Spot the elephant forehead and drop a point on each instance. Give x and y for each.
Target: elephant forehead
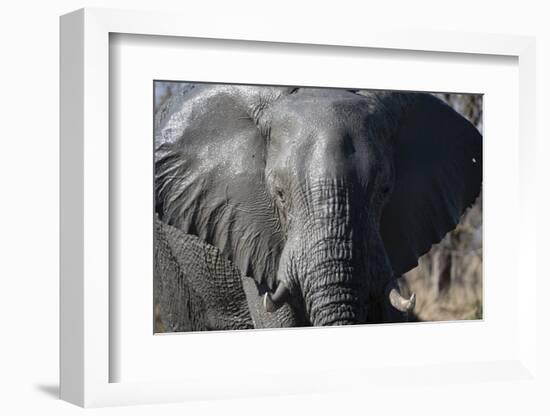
(325, 117)
(311, 102)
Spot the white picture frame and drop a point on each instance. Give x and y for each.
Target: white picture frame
(86, 356)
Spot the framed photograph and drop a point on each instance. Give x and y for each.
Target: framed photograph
(281, 213)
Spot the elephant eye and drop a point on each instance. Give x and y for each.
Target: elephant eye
(386, 190)
(280, 195)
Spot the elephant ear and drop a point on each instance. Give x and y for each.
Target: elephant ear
(209, 173)
(438, 174)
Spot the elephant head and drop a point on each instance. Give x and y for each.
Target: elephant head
(323, 196)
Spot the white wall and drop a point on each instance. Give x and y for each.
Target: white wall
(29, 56)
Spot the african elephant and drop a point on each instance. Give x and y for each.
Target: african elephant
(322, 196)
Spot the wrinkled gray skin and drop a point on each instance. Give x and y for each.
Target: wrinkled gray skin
(327, 193)
(197, 289)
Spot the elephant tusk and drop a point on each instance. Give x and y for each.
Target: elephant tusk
(274, 301)
(398, 301)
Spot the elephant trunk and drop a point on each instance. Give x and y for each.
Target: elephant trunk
(331, 287)
(331, 273)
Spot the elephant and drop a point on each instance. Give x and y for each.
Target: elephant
(323, 196)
